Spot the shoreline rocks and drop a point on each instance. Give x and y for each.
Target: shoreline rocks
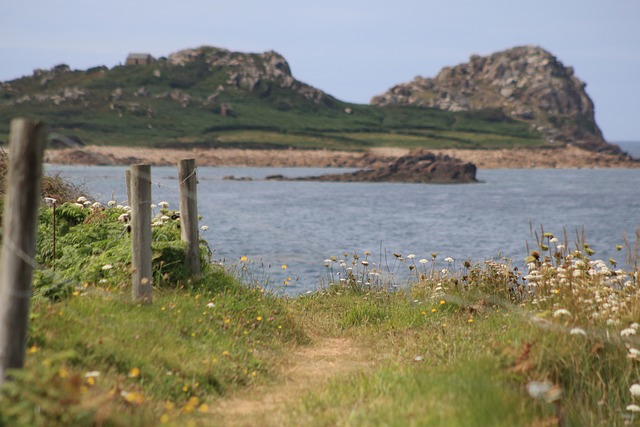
(418, 166)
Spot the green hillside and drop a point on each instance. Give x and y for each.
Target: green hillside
(216, 98)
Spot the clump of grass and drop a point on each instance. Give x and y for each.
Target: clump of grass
(561, 333)
(93, 248)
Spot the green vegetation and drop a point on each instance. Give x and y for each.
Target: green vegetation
(164, 105)
(464, 344)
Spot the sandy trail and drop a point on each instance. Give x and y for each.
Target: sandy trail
(307, 368)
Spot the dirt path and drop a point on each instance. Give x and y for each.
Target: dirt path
(308, 368)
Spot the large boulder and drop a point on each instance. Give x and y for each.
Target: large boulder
(418, 166)
(527, 83)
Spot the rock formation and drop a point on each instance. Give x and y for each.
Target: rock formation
(419, 166)
(254, 72)
(527, 83)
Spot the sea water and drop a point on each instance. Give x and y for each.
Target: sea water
(300, 224)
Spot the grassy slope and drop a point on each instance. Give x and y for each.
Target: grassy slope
(174, 361)
(268, 117)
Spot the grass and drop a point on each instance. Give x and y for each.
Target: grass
(460, 344)
(111, 111)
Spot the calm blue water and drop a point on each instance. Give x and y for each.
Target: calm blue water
(302, 223)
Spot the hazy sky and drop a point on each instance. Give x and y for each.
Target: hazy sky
(352, 49)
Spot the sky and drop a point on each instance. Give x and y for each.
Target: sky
(352, 49)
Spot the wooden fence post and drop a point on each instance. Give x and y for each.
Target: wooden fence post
(140, 203)
(27, 143)
(188, 181)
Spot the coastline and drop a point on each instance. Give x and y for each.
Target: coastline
(569, 157)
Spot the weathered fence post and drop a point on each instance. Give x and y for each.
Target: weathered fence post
(188, 181)
(27, 143)
(140, 203)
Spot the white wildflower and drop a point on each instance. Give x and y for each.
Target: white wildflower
(107, 267)
(633, 353)
(164, 205)
(627, 332)
(448, 259)
(633, 408)
(423, 261)
(111, 203)
(96, 205)
(87, 203)
(578, 331)
(635, 390)
(554, 240)
(411, 256)
(204, 228)
(561, 312)
(365, 263)
(537, 389)
(82, 199)
(92, 374)
(165, 218)
(80, 205)
(635, 325)
(211, 305)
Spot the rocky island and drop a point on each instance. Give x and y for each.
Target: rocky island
(527, 83)
(519, 108)
(418, 166)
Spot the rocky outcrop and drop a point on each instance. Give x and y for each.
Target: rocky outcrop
(418, 166)
(253, 72)
(527, 83)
